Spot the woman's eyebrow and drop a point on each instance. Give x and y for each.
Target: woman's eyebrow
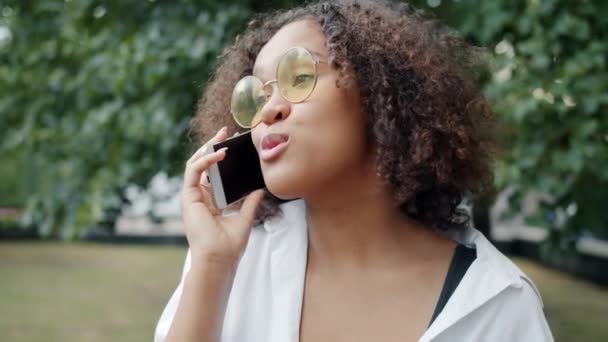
(315, 54)
(256, 70)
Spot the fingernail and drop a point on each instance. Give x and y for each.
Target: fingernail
(223, 149)
(222, 130)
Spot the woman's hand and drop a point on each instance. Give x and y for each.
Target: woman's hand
(212, 236)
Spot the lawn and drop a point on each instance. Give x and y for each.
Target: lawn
(93, 292)
(84, 292)
(576, 310)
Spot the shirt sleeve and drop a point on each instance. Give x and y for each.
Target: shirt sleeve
(524, 310)
(166, 318)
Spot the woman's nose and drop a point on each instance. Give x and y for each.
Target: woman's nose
(276, 109)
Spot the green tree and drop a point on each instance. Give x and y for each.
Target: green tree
(96, 95)
(548, 87)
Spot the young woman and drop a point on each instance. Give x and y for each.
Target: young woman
(367, 114)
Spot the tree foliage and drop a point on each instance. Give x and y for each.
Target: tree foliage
(97, 95)
(547, 85)
(549, 91)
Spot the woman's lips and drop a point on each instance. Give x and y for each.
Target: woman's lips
(273, 145)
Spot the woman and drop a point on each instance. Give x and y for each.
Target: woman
(376, 127)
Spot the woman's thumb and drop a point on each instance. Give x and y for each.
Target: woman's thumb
(250, 205)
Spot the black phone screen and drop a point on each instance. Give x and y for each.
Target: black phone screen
(240, 170)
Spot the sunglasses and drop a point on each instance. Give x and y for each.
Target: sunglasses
(296, 77)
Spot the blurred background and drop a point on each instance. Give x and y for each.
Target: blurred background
(95, 101)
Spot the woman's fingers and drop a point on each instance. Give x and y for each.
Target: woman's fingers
(192, 175)
(198, 163)
(220, 136)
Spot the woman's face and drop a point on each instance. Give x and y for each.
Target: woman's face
(320, 140)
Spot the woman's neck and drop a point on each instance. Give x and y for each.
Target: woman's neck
(356, 224)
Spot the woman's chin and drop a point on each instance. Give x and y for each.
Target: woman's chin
(282, 190)
(282, 186)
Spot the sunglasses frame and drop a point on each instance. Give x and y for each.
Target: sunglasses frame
(315, 60)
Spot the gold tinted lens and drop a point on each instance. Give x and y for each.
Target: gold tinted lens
(248, 97)
(296, 74)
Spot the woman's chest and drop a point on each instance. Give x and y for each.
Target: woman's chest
(367, 310)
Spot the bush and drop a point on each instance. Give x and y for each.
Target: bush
(98, 95)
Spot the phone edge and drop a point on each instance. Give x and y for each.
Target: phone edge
(217, 188)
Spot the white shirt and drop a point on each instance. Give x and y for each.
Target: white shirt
(495, 300)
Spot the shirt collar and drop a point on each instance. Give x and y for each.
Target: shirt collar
(490, 274)
(291, 213)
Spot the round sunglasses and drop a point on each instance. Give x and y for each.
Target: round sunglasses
(296, 77)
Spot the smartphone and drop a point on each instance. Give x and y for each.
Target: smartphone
(238, 174)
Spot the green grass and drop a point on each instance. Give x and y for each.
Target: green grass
(576, 310)
(91, 292)
(84, 292)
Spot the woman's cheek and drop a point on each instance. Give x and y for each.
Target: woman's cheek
(255, 138)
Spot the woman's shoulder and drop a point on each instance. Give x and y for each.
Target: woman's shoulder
(493, 263)
(502, 266)
(494, 294)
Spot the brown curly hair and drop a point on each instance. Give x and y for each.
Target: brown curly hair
(431, 127)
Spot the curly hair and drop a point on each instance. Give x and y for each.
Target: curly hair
(431, 127)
